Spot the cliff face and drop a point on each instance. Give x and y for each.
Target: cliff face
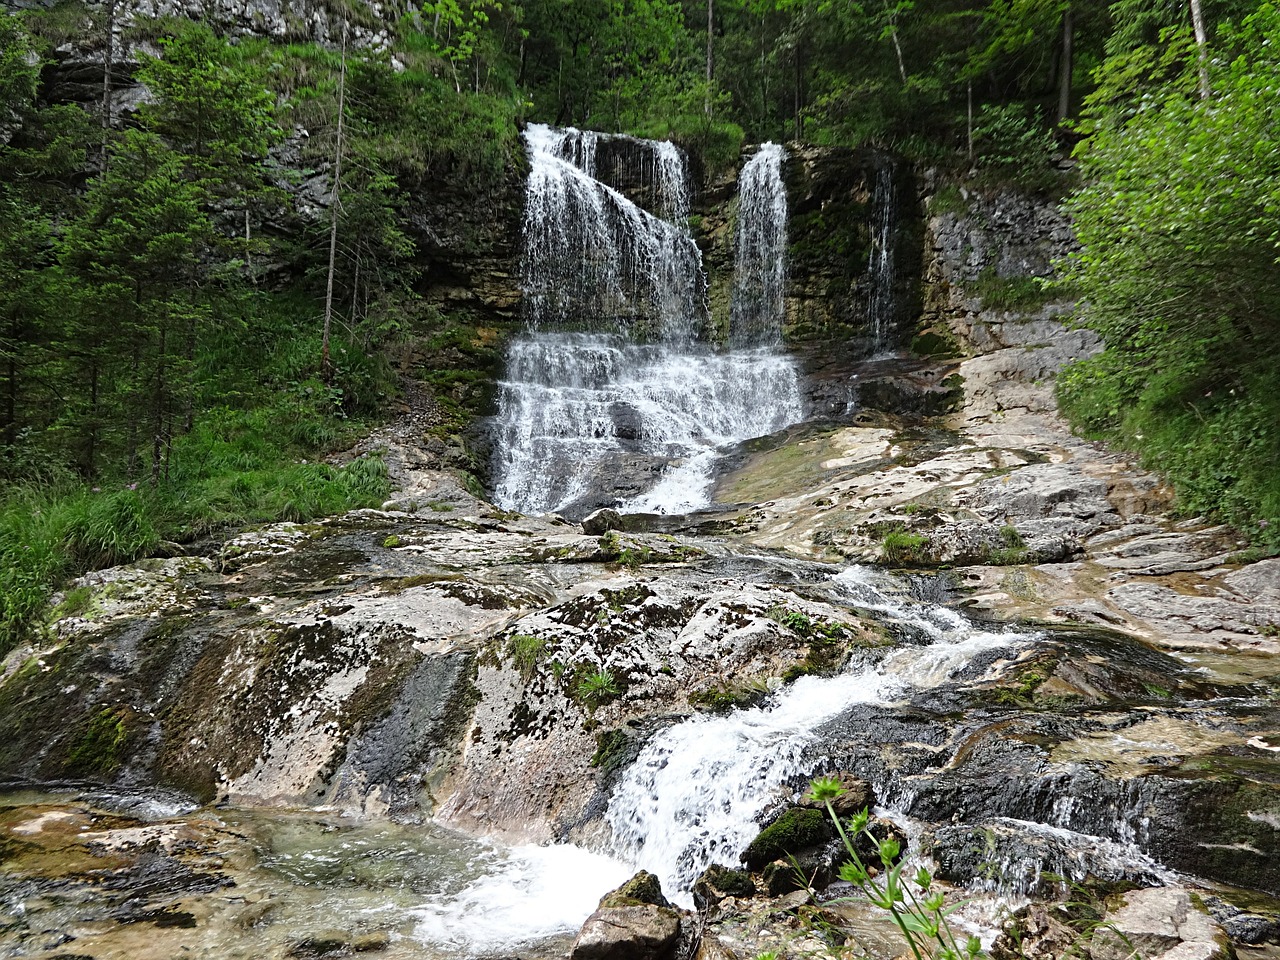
(833, 201)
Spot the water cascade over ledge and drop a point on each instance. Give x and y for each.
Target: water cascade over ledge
(613, 396)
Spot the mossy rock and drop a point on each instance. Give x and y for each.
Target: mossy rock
(792, 832)
(644, 888)
(718, 882)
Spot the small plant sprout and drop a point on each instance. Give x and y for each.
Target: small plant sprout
(922, 915)
(598, 687)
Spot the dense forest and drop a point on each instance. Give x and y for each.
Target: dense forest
(184, 334)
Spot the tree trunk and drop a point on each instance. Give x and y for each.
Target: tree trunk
(970, 120)
(1202, 48)
(799, 123)
(325, 366)
(1064, 90)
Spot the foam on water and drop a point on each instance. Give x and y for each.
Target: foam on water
(694, 795)
(524, 895)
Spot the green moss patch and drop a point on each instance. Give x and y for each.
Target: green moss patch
(792, 832)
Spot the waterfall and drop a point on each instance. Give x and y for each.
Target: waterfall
(760, 250)
(610, 399)
(880, 266)
(694, 795)
(593, 259)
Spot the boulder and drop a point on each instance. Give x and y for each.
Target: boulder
(602, 521)
(644, 932)
(1159, 922)
(644, 888)
(797, 829)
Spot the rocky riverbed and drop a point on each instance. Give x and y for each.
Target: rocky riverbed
(268, 747)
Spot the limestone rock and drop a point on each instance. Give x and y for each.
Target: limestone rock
(645, 932)
(1159, 922)
(601, 521)
(643, 888)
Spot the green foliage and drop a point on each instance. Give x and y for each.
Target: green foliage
(597, 687)
(525, 650)
(916, 907)
(905, 549)
(19, 68)
(1014, 147)
(1179, 274)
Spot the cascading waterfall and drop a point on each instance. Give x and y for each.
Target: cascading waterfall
(694, 795)
(760, 250)
(880, 266)
(610, 399)
(593, 259)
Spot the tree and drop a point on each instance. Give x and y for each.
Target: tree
(144, 227)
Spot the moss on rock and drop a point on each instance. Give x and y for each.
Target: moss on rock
(792, 832)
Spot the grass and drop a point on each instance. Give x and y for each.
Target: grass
(1014, 293)
(1217, 440)
(525, 651)
(905, 549)
(597, 688)
(50, 533)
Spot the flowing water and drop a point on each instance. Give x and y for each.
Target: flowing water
(610, 398)
(760, 250)
(880, 266)
(695, 794)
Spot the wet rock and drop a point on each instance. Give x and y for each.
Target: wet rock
(1244, 926)
(711, 947)
(1159, 922)
(780, 878)
(1027, 859)
(1036, 931)
(602, 521)
(643, 888)
(718, 882)
(795, 830)
(646, 932)
(856, 794)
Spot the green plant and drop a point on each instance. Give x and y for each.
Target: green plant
(598, 687)
(921, 918)
(524, 650)
(902, 548)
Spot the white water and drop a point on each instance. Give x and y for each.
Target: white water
(593, 258)
(694, 795)
(525, 895)
(880, 266)
(760, 250)
(634, 413)
(574, 406)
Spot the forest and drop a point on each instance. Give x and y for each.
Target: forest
(168, 367)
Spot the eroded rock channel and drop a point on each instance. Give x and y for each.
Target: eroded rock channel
(446, 729)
